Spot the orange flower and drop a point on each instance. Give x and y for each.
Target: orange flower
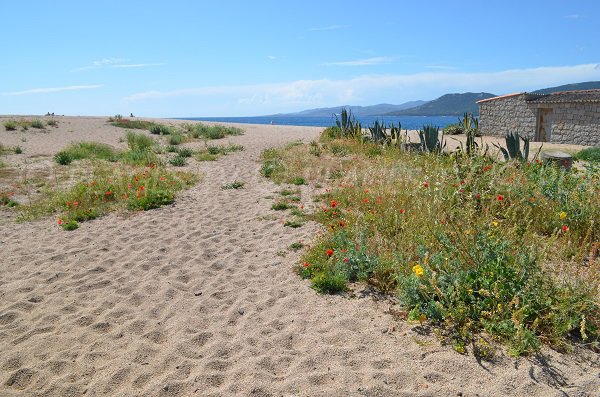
(306, 264)
(329, 252)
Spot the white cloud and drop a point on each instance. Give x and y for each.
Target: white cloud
(238, 100)
(573, 16)
(117, 63)
(440, 67)
(331, 27)
(362, 62)
(271, 57)
(52, 89)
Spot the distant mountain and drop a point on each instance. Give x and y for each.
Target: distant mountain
(446, 105)
(588, 85)
(358, 111)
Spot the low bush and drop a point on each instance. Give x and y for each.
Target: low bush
(590, 154)
(178, 161)
(10, 125)
(214, 132)
(39, 124)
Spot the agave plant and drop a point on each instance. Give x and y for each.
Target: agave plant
(430, 139)
(513, 147)
(348, 124)
(378, 133)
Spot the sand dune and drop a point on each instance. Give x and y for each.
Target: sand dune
(199, 299)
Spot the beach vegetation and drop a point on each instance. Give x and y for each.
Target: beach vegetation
(109, 188)
(214, 131)
(160, 129)
(233, 185)
(591, 154)
(10, 125)
(178, 161)
(467, 243)
(39, 124)
(52, 123)
(86, 150)
(176, 139)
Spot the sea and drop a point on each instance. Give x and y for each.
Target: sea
(406, 122)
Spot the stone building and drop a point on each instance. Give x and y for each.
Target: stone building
(561, 117)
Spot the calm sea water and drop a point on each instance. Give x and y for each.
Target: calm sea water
(407, 122)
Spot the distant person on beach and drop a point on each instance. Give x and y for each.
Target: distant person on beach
(131, 115)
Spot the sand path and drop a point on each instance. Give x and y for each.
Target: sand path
(198, 299)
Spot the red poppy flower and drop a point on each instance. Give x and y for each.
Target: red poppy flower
(108, 193)
(401, 211)
(342, 224)
(306, 264)
(59, 221)
(333, 203)
(425, 184)
(329, 252)
(565, 228)
(500, 197)
(346, 260)
(477, 196)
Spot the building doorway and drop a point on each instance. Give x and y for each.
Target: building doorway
(543, 131)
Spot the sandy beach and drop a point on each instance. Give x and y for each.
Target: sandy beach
(199, 298)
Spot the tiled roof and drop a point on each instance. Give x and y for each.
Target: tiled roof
(499, 97)
(566, 96)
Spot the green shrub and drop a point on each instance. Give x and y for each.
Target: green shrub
(90, 150)
(160, 129)
(10, 125)
(138, 141)
(590, 154)
(214, 132)
(52, 123)
(176, 139)
(39, 124)
(171, 149)
(63, 158)
(205, 156)
(18, 149)
(280, 206)
(233, 185)
(185, 152)
(178, 161)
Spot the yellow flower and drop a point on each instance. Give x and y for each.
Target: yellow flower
(563, 215)
(495, 224)
(418, 269)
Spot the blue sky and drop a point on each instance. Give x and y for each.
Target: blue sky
(243, 58)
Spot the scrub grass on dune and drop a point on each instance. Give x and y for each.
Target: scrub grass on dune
(472, 245)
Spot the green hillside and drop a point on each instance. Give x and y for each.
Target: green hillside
(588, 85)
(447, 105)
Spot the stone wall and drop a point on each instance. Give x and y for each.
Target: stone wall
(502, 116)
(572, 123)
(576, 123)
